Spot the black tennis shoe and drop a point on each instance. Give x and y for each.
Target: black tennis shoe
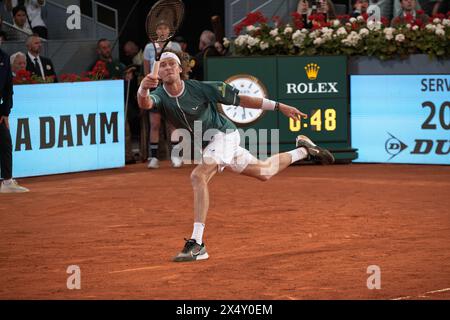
(315, 152)
(192, 251)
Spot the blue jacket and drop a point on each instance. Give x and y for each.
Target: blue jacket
(6, 85)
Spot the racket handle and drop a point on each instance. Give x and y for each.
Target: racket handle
(155, 69)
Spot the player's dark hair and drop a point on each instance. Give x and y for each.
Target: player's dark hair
(15, 10)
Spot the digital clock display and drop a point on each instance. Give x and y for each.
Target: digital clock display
(327, 121)
(316, 121)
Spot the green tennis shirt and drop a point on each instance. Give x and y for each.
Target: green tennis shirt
(197, 102)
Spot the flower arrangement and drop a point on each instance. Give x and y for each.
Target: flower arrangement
(256, 35)
(99, 72)
(25, 77)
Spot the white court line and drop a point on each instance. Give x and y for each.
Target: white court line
(437, 291)
(137, 269)
(423, 295)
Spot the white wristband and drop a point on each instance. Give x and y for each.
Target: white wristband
(143, 92)
(268, 104)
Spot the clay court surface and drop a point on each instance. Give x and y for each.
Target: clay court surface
(309, 233)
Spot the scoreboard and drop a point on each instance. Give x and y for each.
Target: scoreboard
(401, 118)
(317, 86)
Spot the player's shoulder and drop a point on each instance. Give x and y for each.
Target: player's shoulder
(205, 84)
(194, 83)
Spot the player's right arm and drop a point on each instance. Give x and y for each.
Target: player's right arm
(143, 95)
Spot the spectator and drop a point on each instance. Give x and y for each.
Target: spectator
(115, 69)
(311, 7)
(162, 31)
(360, 8)
(21, 29)
(36, 64)
(207, 49)
(325, 7)
(133, 53)
(431, 7)
(8, 185)
(33, 9)
(408, 13)
(386, 7)
(398, 8)
(21, 20)
(18, 62)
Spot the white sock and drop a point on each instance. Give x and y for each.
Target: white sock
(197, 234)
(298, 154)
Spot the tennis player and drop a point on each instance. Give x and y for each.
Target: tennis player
(185, 101)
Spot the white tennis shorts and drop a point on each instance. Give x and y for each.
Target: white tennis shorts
(225, 150)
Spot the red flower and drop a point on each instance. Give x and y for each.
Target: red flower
(385, 21)
(23, 73)
(297, 19)
(315, 25)
(409, 18)
(343, 18)
(70, 77)
(100, 69)
(317, 17)
(251, 19)
(365, 16)
(438, 15)
(420, 12)
(22, 77)
(418, 22)
(296, 15)
(238, 28)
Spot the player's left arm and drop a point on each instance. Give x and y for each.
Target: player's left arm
(226, 94)
(266, 104)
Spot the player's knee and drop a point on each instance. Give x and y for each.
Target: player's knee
(198, 179)
(267, 171)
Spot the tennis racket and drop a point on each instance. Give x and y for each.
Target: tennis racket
(163, 21)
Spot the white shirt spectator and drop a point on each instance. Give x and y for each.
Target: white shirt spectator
(26, 28)
(33, 11)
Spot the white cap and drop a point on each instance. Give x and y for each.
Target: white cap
(170, 55)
